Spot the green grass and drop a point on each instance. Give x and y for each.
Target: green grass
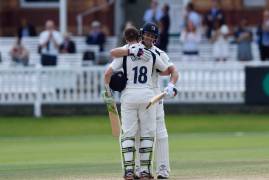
(201, 146)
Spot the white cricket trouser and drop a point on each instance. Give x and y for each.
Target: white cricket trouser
(161, 146)
(131, 114)
(161, 131)
(161, 143)
(136, 116)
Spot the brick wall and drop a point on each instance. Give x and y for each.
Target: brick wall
(234, 10)
(11, 14)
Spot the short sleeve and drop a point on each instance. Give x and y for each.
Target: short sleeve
(117, 64)
(43, 37)
(165, 58)
(160, 65)
(58, 37)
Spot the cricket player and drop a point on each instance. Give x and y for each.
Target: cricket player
(149, 35)
(134, 99)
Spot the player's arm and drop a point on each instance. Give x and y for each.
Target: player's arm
(114, 66)
(172, 71)
(160, 65)
(136, 49)
(108, 74)
(119, 52)
(171, 89)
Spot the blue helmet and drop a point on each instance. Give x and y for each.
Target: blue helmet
(150, 28)
(118, 81)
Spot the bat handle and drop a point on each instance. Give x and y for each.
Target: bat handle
(175, 91)
(107, 88)
(149, 104)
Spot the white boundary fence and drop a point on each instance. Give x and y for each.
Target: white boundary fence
(204, 82)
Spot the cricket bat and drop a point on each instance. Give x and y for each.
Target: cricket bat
(155, 99)
(114, 117)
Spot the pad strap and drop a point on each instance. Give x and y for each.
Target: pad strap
(124, 66)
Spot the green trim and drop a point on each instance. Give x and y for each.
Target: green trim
(129, 163)
(145, 150)
(147, 138)
(265, 84)
(128, 149)
(145, 162)
(128, 138)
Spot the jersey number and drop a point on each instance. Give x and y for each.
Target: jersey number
(140, 76)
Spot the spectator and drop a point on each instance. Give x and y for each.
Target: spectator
(243, 37)
(263, 36)
(214, 15)
(19, 54)
(96, 36)
(153, 14)
(26, 29)
(68, 45)
(49, 43)
(220, 42)
(190, 38)
(192, 15)
(164, 28)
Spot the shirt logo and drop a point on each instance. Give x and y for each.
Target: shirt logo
(134, 58)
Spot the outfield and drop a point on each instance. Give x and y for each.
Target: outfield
(202, 147)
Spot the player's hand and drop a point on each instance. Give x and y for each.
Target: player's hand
(135, 50)
(107, 99)
(146, 56)
(170, 90)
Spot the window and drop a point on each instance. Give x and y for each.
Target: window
(39, 3)
(254, 3)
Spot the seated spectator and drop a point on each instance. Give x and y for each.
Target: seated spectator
(190, 38)
(19, 54)
(263, 36)
(220, 42)
(153, 14)
(49, 43)
(96, 36)
(243, 37)
(26, 29)
(68, 45)
(191, 15)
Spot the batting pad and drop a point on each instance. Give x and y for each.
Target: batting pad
(128, 153)
(145, 150)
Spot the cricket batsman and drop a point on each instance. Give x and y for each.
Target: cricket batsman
(149, 35)
(134, 99)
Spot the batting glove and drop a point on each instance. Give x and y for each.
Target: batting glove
(147, 55)
(170, 90)
(135, 50)
(107, 99)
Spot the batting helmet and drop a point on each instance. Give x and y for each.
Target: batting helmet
(118, 81)
(150, 28)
